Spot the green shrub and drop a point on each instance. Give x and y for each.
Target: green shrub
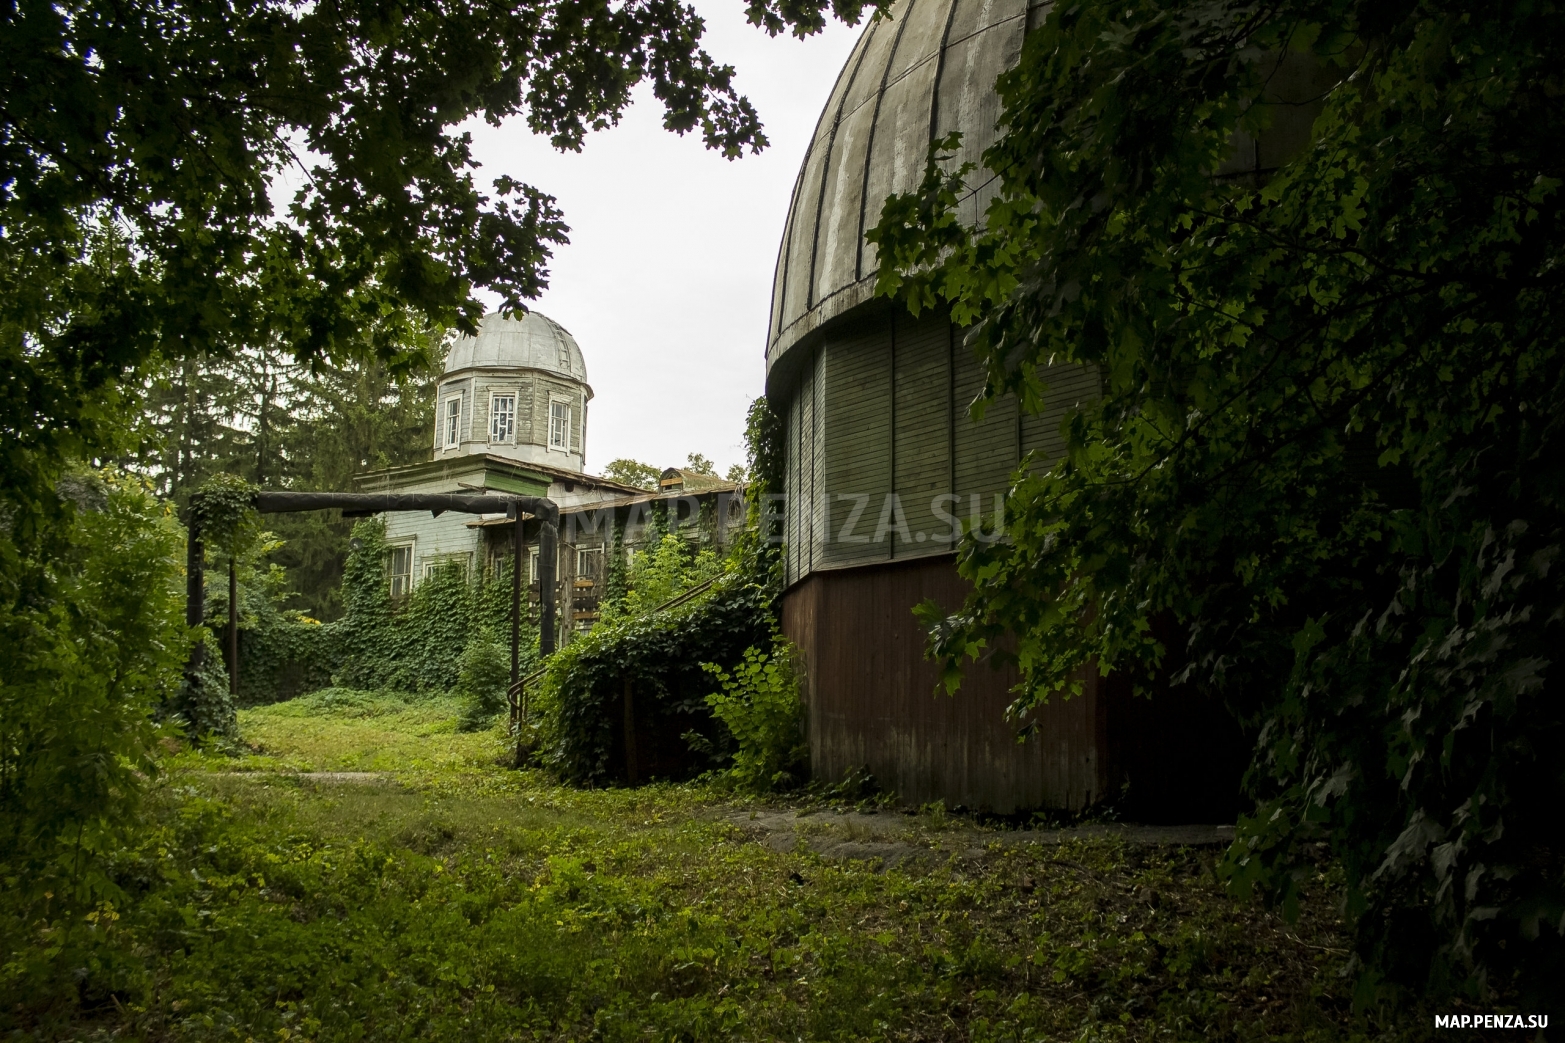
(758, 701)
(484, 675)
(662, 571)
(415, 643)
(205, 705)
(281, 652)
(580, 706)
(94, 638)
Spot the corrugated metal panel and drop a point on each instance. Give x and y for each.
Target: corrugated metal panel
(1067, 387)
(793, 487)
(819, 533)
(803, 523)
(986, 450)
(858, 444)
(922, 422)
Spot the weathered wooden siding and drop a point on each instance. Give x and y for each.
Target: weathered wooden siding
(433, 539)
(1067, 388)
(872, 702)
(987, 449)
(533, 391)
(803, 517)
(881, 409)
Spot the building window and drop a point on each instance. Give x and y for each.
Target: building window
(400, 569)
(589, 563)
(532, 565)
(451, 423)
(502, 418)
(446, 561)
(560, 426)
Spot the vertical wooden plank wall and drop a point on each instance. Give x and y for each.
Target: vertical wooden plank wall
(882, 407)
(986, 449)
(872, 701)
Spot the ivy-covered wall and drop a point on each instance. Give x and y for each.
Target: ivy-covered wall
(412, 643)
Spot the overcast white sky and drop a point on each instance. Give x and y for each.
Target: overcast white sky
(667, 279)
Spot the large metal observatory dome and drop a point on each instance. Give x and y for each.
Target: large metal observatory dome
(883, 465)
(915, 77)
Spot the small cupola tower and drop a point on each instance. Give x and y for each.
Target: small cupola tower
(517, 390)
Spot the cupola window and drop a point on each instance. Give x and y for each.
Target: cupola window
(451, 422)
(502, 418)
(560, 426)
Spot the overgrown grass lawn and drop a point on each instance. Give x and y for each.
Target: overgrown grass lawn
(343, 730)
(447, 897)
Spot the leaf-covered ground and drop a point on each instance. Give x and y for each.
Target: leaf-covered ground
(367, 873)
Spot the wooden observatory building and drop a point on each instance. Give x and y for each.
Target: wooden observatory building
(511, 419)
(882, 458)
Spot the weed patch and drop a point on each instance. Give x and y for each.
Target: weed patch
(438, 896)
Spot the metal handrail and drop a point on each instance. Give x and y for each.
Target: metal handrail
(516, 692)
(516, 697)
(680, 599)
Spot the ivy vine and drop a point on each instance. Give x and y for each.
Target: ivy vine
(411, 643)
(660, 654)
(222, 511)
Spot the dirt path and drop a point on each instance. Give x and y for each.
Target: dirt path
(893, 837)
(888, 837)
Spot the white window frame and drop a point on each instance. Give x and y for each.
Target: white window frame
(438, 561)
(565, 405)
(508, 436)
(392, 576)
(594, 556)
(532, 563)
(451, 422)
